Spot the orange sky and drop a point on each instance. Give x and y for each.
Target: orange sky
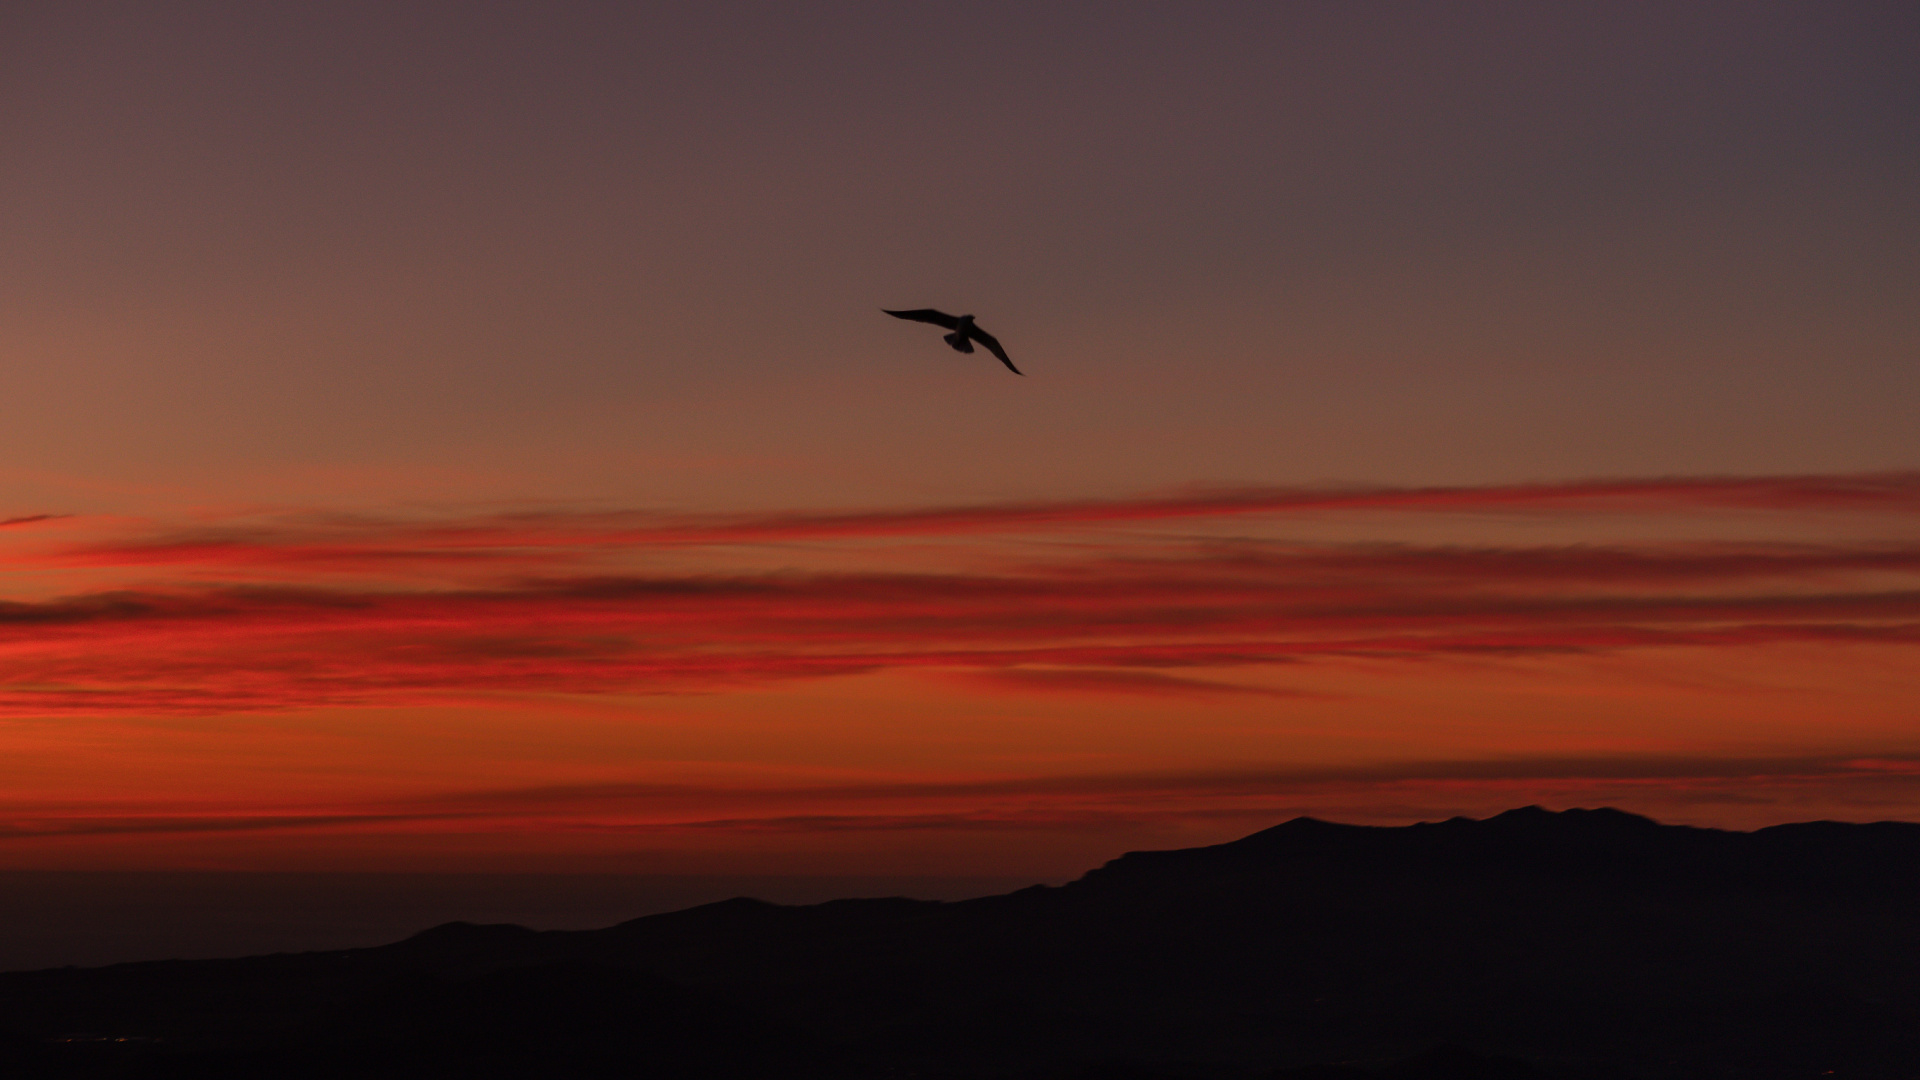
(983, 688)
(468, 438)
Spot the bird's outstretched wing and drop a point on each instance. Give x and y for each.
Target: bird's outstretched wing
(993, 347)
(927, 314)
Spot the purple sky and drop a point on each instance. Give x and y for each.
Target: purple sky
(346, 253)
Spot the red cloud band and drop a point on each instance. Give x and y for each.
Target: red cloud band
(231, 645)
(532, 540)
(1032, 802)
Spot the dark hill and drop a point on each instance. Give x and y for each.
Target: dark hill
(1588, 943)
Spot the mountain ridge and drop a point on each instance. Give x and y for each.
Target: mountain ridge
(1578, 943)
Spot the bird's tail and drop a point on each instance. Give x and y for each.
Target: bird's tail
(958, 340)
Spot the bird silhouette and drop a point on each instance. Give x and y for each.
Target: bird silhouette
(964, 332)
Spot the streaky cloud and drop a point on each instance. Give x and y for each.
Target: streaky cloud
(260, 618)
(990, 803)
(531, 539)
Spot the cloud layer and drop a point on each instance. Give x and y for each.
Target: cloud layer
(1023, 803)
(304, 612)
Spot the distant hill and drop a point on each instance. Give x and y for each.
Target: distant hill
(1586, 943)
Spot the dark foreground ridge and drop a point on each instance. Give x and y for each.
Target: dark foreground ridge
(1589, 943)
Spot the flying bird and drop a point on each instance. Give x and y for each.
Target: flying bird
(964, 332)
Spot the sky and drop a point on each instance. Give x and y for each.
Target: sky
(466, 437)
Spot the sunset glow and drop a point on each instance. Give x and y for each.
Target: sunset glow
(553, 685)
(473, 439)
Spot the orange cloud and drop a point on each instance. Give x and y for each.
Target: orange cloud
(555, 602)
(1037, 802)
(532, 538)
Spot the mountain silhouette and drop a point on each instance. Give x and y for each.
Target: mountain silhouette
(1580, 944)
